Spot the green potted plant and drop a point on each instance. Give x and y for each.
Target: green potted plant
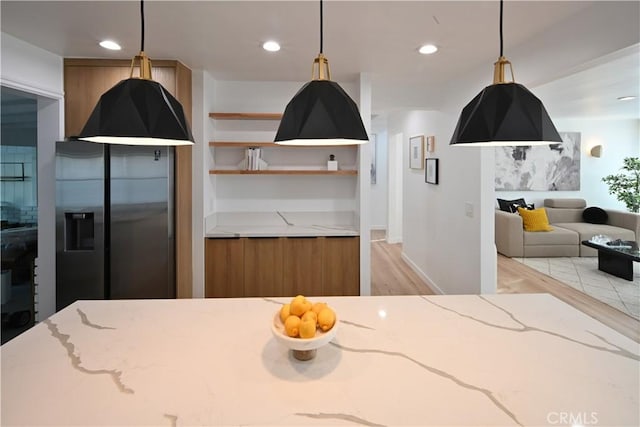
(626, 185)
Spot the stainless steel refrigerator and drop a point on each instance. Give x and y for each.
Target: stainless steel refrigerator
(114, 222)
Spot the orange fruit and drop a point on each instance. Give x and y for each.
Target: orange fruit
(285, 312)
(326, 319)
(310, 315)
(292, 326)
(307, 328)
(317, 307)
(299, 306)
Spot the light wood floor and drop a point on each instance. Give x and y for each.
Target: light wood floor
(391, 275)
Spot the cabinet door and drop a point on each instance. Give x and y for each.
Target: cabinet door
(341, 266)
(263, 266)
(224, 268)
(86, 80)
(83, 87)
(302, 266)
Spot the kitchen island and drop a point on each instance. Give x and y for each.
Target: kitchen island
(404, 360)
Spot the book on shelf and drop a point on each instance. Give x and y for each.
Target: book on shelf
(252, 160)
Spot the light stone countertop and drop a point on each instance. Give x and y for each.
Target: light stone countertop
(461, 360)
(277, 224)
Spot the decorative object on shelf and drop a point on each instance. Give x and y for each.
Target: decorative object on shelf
(229, 152)
(416, 152)
(431, 171)
(519, 168)
(321, 113)
(431, 144)
(505, 113)
(332, 163)
(138, 111)
(596, 151)
(626, 185)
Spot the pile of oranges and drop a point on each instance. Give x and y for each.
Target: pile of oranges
(302, 318)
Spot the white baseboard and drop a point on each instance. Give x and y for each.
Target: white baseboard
(394, 239)
(422, 275)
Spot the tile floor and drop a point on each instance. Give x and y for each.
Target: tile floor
(583, 275)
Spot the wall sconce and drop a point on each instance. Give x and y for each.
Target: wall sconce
(596, 151)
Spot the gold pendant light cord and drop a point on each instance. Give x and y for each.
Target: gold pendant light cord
(145, 62)
(499, 67)
(321, 62)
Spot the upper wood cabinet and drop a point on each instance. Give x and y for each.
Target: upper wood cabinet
(85, 80)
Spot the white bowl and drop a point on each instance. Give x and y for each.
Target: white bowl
(302, 344)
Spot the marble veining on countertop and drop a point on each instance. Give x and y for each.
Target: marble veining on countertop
(273, 224)
(406, 360)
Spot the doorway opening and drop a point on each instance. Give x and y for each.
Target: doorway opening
(18, 209)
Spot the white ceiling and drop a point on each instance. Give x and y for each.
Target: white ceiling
(545, 40)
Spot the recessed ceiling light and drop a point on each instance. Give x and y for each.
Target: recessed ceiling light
(111, 45)
(428, 49)
(626, 98)
(271, 46)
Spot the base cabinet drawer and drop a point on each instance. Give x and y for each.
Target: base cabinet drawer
(282, 266)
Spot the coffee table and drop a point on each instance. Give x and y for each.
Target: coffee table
(616, 260)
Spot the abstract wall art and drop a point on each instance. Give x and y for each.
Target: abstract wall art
(553, 167)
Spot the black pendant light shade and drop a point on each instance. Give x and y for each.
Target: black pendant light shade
(505, 114)
(321, 113)
(137, 112)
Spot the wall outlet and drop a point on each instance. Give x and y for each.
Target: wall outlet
(468, 209)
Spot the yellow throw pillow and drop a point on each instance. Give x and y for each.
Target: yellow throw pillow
(535, 220)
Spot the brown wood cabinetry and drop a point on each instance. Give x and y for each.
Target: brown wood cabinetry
(224, 267)
(85, 80)
(303, 266)
(263, 266)
(282, 266)
(341, 266)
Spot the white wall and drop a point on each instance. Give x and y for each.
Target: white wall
(203, 90)
(363, 194)
(440, 241)
(273, 192)
(379, 190)
(620, 138)
(395, 171)
(31, 69)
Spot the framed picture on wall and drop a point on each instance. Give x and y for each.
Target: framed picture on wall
(416, 152)
(372, 141)
(431, 144)
(431, 172)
